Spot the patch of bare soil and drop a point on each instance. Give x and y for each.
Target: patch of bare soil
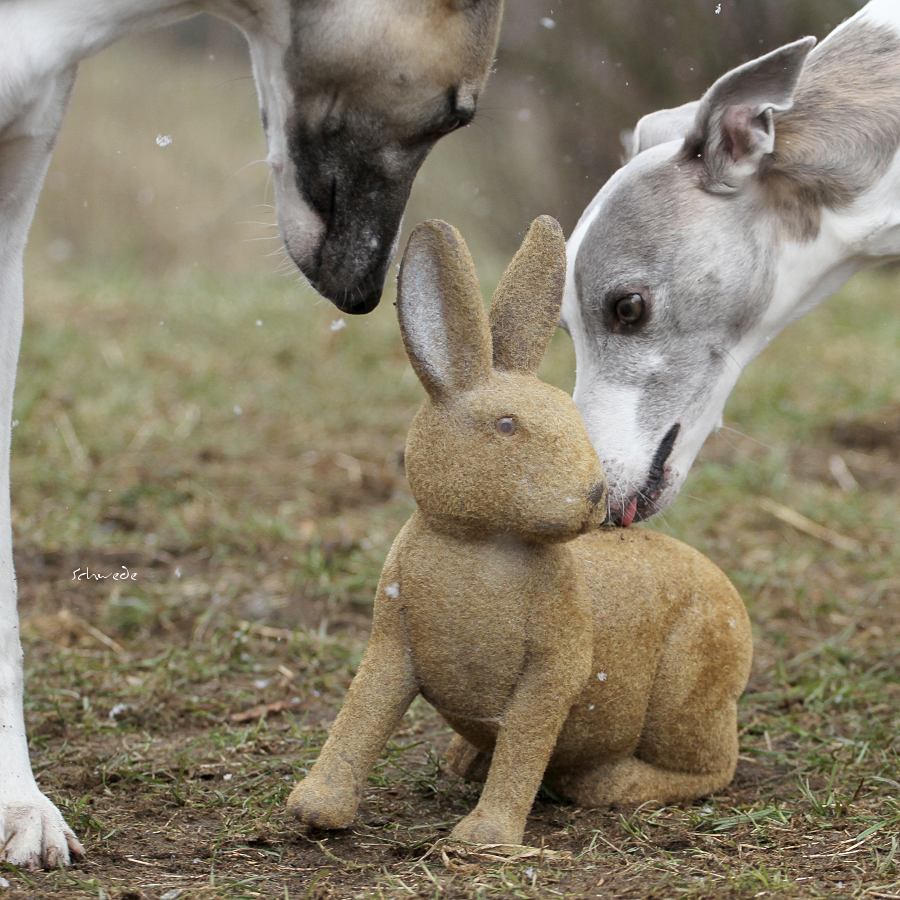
(879, 430)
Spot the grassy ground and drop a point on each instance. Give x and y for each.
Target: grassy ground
(206, 428)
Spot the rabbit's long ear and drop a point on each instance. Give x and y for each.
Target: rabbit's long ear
(525, 309)
(442, 317)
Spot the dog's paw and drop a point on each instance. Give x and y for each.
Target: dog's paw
(325, 800)
(33, 834)
(485, 828)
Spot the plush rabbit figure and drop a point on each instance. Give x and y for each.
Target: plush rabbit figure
(607, 662)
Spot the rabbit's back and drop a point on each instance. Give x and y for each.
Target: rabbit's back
(661, 611)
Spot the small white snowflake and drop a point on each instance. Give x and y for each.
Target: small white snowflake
(591, 707)
(227, 776)
(117, 711)
(338, 325)
(548, 23)
(237, 410)
(601, 676)
(163, 140)
(59, 250)
(392, 590)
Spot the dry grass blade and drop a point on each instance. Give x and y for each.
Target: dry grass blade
(263, 711)
(496, 852)
(267, 631)
(841, 473)
(64, 626)
(809, 527)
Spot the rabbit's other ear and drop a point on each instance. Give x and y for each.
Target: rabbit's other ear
(442, 317)
(525, 309)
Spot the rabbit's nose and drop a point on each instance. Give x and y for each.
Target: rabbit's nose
(597, 492)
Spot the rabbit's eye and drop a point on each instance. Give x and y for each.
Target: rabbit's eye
(506, 425)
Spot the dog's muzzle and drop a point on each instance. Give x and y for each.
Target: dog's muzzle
(642, 505)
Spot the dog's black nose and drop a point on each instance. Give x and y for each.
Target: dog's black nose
(353, 297)
(358, 304)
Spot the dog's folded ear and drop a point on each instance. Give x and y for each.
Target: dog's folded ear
(441, 312)
(659, 127)
(525, 308)
(734, 129)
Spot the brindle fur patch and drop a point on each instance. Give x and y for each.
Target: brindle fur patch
(843, 130)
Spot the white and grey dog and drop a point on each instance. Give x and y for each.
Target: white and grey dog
(735, 215)
(353, 95)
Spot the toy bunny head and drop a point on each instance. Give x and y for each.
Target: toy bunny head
(493, 449)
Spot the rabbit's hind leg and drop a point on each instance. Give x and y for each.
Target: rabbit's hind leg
(665, 767)
(631, 781)
(689, 742)
(466, 761)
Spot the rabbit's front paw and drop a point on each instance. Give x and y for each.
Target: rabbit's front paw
(325, 800)
(488, 828)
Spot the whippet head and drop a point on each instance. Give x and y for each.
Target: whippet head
(353, 95)
(668, 275)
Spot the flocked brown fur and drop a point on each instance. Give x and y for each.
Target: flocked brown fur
(607, 662)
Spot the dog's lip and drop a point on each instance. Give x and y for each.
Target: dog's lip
(642, 504)
(632, 511)
(639, 508)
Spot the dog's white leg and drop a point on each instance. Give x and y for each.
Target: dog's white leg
(32, 831)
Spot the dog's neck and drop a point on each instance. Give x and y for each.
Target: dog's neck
(837, 169)
(51, 36)
(863, 234)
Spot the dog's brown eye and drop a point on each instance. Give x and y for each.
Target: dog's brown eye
(506, 425)
(630, 309)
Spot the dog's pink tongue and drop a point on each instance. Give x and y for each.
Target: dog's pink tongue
(629, 513)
